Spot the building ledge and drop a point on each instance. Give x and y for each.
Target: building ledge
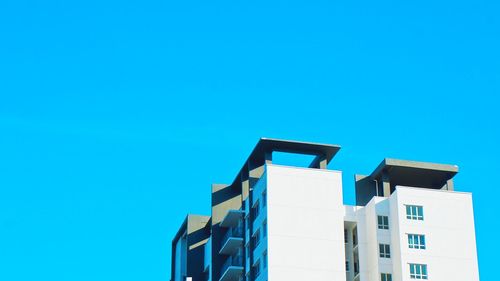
(232, 273)
(231, 246)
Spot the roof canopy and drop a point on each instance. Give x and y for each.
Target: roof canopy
(265, 147)
(412, 173)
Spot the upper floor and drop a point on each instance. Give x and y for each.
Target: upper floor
(252, 218)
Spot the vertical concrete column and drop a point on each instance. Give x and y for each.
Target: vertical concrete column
(449, 185)
(245, 183)
(386, 185)
(319, 162)
(322, 162)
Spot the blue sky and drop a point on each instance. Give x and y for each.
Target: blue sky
(116, 116)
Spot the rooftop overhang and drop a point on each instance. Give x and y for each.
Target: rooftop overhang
(266, 146)
(413, 173)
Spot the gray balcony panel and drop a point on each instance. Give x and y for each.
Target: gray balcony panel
(232, 273)
(231, 245)
(232, 218)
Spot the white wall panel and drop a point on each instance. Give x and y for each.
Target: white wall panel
(305, 224)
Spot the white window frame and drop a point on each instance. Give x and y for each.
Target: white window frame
(385, 276)
(384, 220)
(384, 250)
(418, 271)
(414, 212)
(416, 241)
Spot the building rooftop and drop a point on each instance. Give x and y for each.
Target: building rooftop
(266, 146)
(393, 172)
(413, 173)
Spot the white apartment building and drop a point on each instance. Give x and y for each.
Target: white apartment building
(284, 223)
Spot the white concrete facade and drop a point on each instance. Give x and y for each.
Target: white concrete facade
(306, 218)
(284, 223)
(305, 224)
(448, 227)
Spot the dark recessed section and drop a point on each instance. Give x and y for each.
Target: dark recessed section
(393, 172)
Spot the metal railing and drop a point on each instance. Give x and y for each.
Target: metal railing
(232, 232)
(232, 261)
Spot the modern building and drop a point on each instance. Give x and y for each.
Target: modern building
(286, 223)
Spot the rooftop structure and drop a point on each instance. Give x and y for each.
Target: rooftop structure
(285, 223)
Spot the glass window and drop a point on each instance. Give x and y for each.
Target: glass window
(385, 277)
(354, 236)
(255, 210)
(264, 198)
(256, 269)
(264, 259)
(414, 212)
(346, 265)
(385, 250)
(346, 239)
(264, 229)
(256, 239)
(416, 241)
(418, 271)
(383, 222)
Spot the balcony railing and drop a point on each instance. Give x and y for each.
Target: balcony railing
(232, 261)
(232, 241)
(233, 232)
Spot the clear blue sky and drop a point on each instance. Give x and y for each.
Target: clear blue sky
(116, 116)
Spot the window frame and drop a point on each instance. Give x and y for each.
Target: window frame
(415, 212)
(416, 241)
(256, 268)
(264, 259)
(385, 276)
(355, 236)
(256, 238)
(418, 271)
(384, 250)
(382, 222)
(264, 198)
(256, 209)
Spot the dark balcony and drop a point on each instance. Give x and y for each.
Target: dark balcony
(232, 218)
(232, 241)
(232, 269)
